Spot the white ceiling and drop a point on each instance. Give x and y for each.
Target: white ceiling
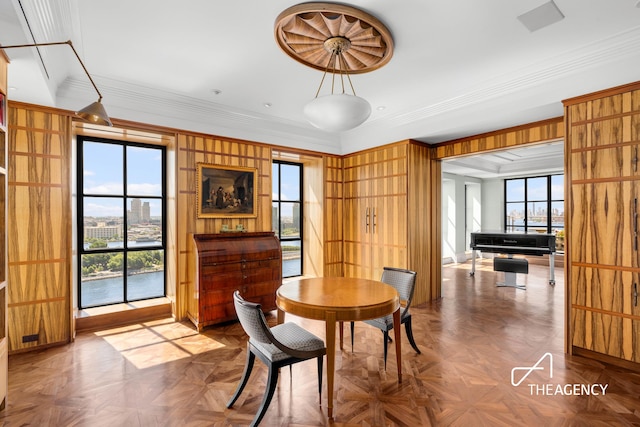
(459, 67)
(538, 159)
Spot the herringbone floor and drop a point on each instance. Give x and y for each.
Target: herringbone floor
(165, 374)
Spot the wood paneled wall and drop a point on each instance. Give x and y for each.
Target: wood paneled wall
(546, 130)
(39, 227)
(603, 188)
(40, 299)
(194, 149)
(425, 235)
(333, 217)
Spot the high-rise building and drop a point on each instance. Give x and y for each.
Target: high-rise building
(135, 214)
(146, 212)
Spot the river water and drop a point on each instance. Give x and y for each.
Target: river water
(143, 286)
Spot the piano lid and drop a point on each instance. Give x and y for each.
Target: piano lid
(520, 243)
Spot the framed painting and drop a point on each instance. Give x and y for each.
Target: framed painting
(226, 191)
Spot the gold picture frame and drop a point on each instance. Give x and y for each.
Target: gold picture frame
(226, 191)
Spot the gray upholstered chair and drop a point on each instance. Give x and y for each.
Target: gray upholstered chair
(404, 281)
(282, 345)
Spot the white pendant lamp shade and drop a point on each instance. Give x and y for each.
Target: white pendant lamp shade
(337, 112)
(340, 40)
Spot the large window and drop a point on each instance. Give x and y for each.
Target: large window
(287, 214)
(535, 204)
(121, 229)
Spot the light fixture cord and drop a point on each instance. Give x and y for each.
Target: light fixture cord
(344, 64)
(335, 58)
(326, 70)
(68, 42)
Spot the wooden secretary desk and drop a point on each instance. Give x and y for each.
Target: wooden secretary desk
(225, 262)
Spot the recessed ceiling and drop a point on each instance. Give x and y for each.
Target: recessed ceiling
(453, 74)
(538, 159)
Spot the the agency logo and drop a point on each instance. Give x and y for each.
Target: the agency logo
(529, 369)
(545, 363)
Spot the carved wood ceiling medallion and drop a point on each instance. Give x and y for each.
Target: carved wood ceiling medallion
(302, 30)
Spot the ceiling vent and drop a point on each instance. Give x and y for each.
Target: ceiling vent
(541, 16)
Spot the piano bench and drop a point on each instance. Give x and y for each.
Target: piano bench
(511, 265)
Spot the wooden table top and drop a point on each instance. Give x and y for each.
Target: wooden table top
(350, 298)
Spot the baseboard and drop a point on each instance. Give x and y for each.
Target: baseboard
(589, 354)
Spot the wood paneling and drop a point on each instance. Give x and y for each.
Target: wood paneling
(39, 228)
(603, 135)
(4, 62)
(333, 217)
(388, 208)
(424, 235)
(547, 130)
(375, 220)
(193, 149)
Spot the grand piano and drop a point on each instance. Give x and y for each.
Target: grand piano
(515, 243)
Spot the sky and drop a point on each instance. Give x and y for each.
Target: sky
(289, 186)
(103, 175)
(537, 188)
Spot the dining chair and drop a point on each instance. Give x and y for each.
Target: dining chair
(404, 281)
(278, 346)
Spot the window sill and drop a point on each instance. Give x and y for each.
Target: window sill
(92, 319)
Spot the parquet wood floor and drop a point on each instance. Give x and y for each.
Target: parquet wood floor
(163, 373)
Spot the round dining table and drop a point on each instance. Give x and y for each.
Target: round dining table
(340, 299)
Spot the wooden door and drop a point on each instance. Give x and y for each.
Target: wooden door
(389, 209)
(357, 217)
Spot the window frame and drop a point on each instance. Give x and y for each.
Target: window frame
(548, 204)
(300, 202)
(125, 249)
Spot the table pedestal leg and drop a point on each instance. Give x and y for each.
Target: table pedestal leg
(396, 333)
(331, 358)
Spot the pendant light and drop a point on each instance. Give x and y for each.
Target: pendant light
(94, 112)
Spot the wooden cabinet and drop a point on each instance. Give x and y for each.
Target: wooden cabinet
(375, 206)
(226, 262)
(602, 144)
(387, 212)
(4, 342)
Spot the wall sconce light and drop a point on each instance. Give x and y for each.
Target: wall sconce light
(94, 112)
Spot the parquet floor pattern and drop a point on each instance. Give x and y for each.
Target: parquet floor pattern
(164, 373)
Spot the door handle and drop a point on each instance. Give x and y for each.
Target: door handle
(366, 220)
(635, 294)
(374, 220)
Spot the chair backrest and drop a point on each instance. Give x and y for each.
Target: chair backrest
(252, 319)
(255, 325)
(404, 281)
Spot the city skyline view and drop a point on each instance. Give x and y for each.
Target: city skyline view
(104, 176)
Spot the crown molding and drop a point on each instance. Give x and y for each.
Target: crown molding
(139, 103)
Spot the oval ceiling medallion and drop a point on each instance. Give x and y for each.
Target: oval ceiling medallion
(301, 31)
